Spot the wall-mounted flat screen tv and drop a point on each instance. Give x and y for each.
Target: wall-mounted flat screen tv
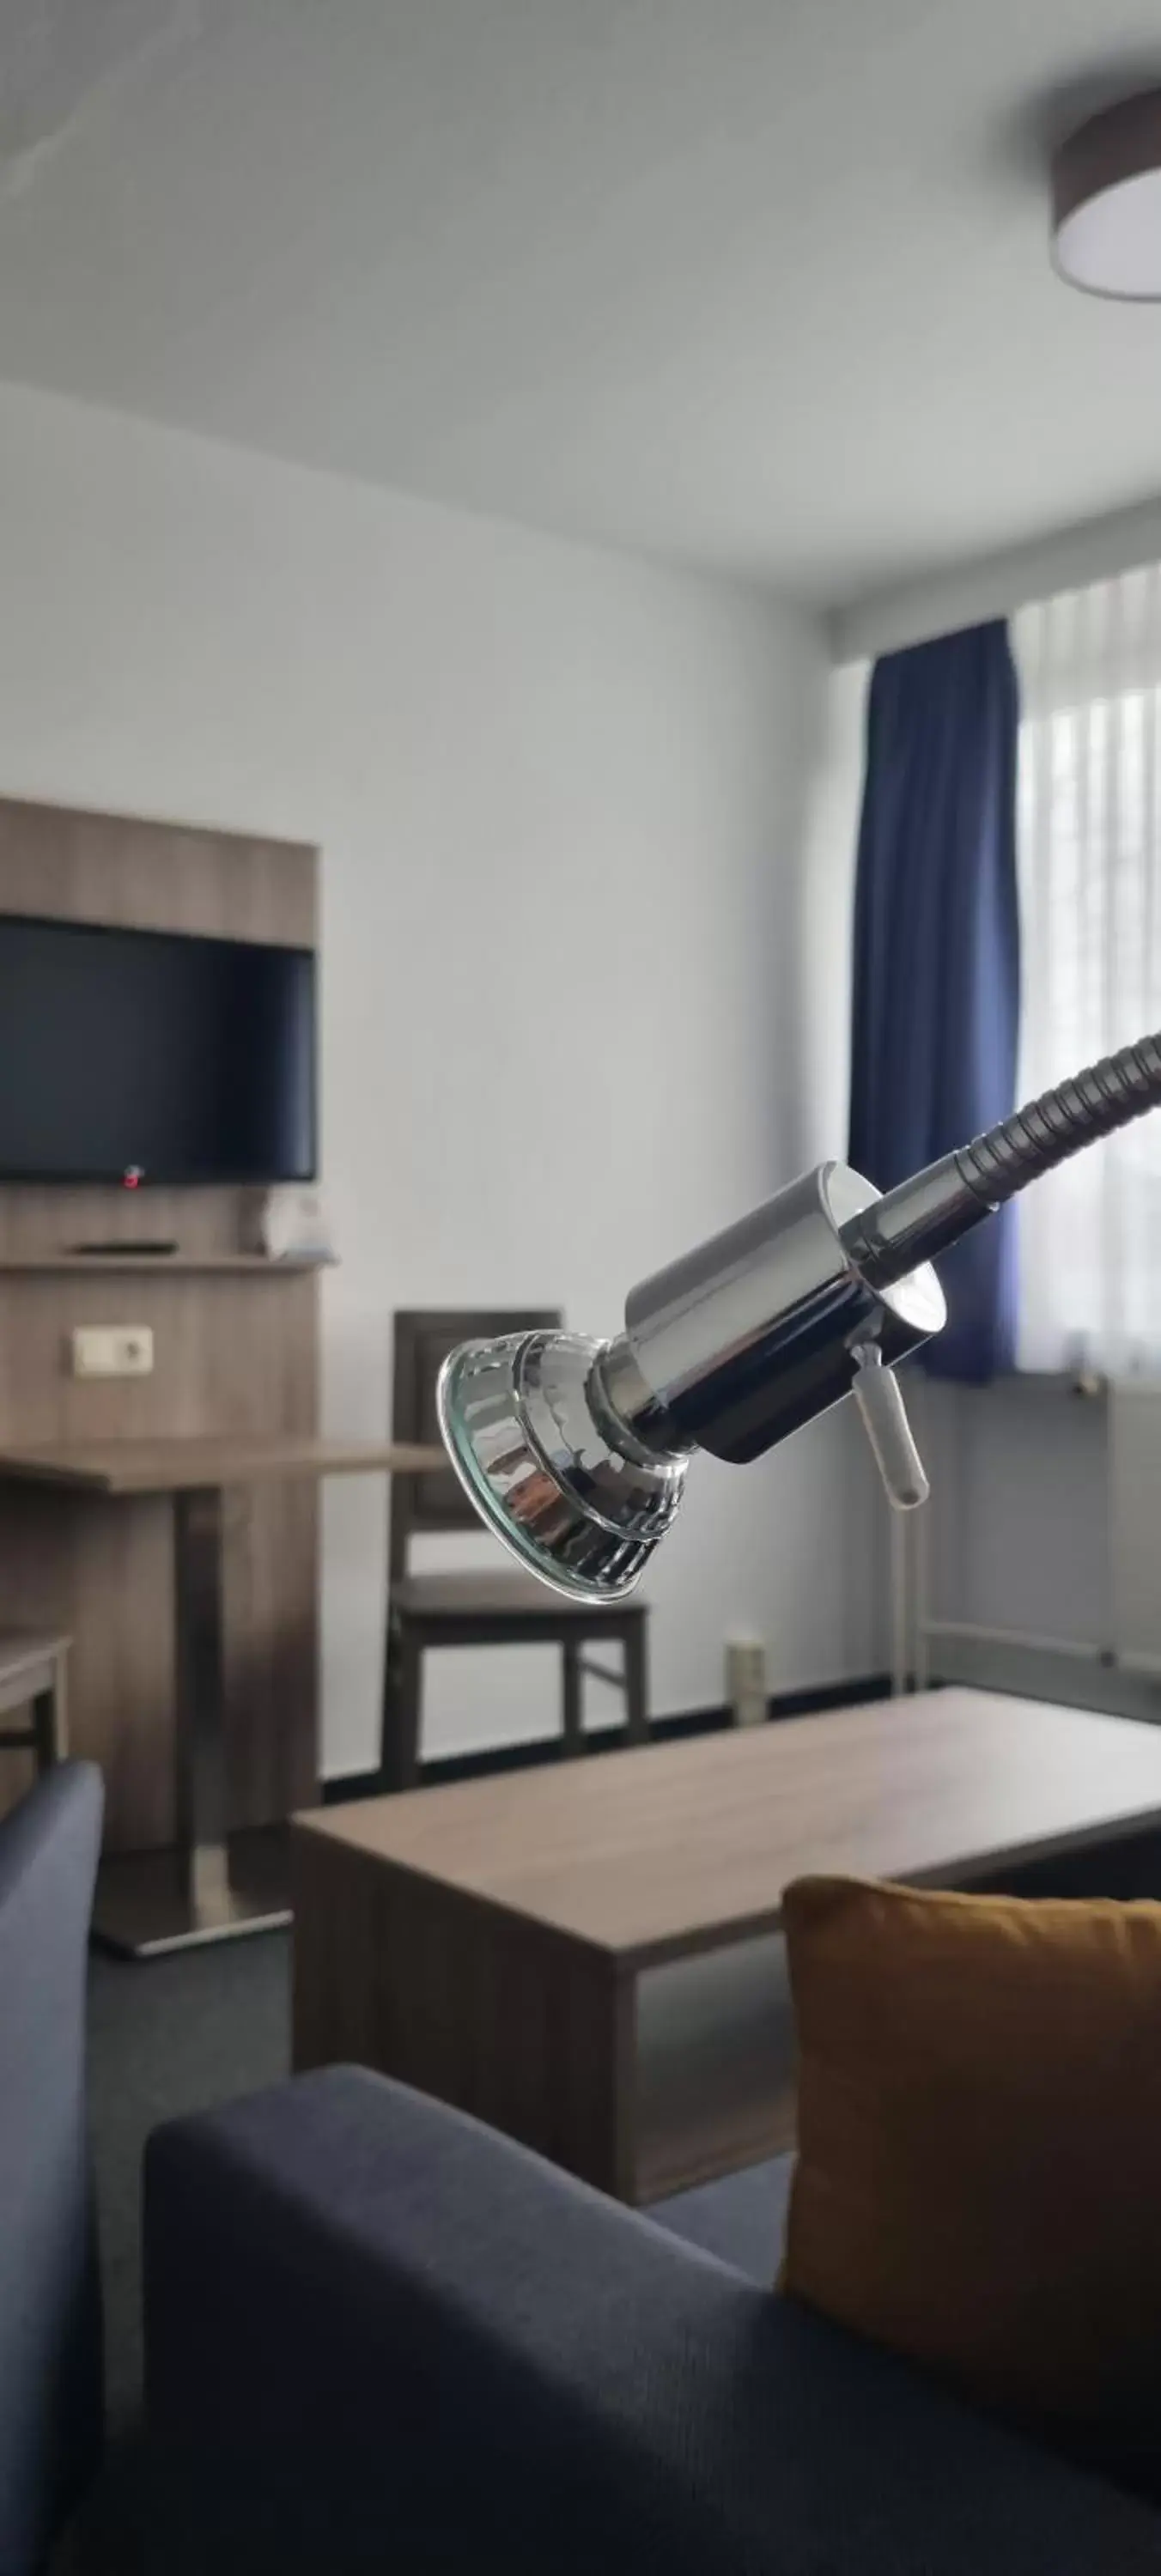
(142, 1055)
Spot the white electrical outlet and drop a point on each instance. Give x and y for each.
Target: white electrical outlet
(112, 1350)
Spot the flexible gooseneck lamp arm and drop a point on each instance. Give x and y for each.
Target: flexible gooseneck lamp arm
(576, 1452)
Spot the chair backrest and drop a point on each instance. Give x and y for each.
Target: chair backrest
(50, 2307)
(423, 1338)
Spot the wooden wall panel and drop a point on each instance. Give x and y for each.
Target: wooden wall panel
(104, 1573)
(36, 1222)
(234, 1352)
(73, 866)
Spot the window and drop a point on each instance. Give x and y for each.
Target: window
(1090, 891)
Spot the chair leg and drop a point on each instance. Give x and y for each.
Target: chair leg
(44, 1730)
(573, 1705)
(637, 1681)
(402, 1710)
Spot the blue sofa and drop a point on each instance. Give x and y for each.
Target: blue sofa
(50, 2312)
(381, 2337)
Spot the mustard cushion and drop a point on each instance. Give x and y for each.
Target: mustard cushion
(979, 2176)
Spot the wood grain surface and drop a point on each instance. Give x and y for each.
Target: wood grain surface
(531, 2033)
(119, 1467)
(158, 1265)
(61, 863)
(524, 1947)
(651, 1854)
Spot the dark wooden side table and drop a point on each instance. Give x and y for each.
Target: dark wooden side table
(34, 1678)
(487, 1942)
(210, 1887)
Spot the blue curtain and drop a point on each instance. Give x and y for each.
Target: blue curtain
(937, 951)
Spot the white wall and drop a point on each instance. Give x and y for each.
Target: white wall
(1019, 1527)
(560, 800)
(996, 585)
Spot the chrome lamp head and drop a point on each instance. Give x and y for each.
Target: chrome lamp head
(554, 1473)
(575, 1452)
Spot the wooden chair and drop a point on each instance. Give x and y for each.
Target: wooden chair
(497, 1607)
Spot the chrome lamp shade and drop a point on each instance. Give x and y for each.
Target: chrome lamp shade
(567, 1489)
(575, 1452)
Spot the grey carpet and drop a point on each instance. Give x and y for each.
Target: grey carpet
(173, 2035)
(165, 2037)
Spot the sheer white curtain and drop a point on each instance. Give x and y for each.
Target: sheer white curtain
(1090, 891)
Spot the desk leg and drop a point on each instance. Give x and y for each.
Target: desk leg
(200, 1714)
(202, 1891)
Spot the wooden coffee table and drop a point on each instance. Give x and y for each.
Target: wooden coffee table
(488, 1942)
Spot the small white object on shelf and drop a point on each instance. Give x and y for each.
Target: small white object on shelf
(292, 1225)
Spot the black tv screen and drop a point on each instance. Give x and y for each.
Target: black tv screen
(140, 1054)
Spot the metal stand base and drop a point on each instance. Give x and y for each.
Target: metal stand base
(150, 1902)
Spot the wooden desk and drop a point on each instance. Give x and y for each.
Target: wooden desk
(208, 1888)
(119, 1467)
(485, 1942)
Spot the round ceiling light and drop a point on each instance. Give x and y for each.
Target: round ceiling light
(1106, 202)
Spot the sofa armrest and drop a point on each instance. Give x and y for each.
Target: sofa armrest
(379, 2335)
(50, 2301)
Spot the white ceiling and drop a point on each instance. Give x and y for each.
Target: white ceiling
(761, 284)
